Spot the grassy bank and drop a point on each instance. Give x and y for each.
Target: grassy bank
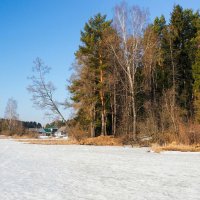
(97, 141)
(176, 147)
(108, 141)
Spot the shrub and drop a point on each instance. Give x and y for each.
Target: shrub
(77, 133)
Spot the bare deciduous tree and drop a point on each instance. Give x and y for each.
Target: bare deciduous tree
(130, 24)
(11, 114)
(43, 91)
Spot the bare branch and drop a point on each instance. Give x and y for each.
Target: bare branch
(42, 91)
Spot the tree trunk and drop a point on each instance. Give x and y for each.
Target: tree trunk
(173, 90)
(131, 78)
(92, 125)
(115, 110)
(103, 111)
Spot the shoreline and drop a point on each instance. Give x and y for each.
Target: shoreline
(103, 141)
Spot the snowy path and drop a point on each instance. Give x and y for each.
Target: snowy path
(37, 172)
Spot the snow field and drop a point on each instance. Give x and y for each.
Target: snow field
(71, 172)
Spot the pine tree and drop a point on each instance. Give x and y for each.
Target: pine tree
(196, 71)
(182, 30)
(92, 59)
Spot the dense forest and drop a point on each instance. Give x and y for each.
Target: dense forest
(133, 78)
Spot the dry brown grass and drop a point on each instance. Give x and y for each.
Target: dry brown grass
(27, 135)
(16, 135)
(101, 141)
(176, 147)
(6, 133)
(189, 134)
(49, 141)
(77, 133)
(97, 141)
(4, 137)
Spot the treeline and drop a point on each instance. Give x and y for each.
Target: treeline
(55, 124)
(16, 127)
(11, 125)
(31, 124)
(134, 78)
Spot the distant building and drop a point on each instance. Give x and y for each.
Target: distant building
(34, 129)
(41, 131)
(61, 132)
(53, 131)
(44, 131)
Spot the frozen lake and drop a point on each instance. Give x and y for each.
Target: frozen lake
(37, 172)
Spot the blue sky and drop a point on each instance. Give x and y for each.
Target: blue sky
(50, 29)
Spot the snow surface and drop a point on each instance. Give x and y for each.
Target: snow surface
(39, 172)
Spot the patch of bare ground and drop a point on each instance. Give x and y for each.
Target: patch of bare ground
(176, 147)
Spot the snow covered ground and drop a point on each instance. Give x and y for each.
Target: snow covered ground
(38, 172)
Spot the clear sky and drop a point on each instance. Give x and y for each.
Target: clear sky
(50, 29)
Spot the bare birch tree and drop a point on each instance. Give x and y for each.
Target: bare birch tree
(11, 114)
(130, 24)
(43, 91)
